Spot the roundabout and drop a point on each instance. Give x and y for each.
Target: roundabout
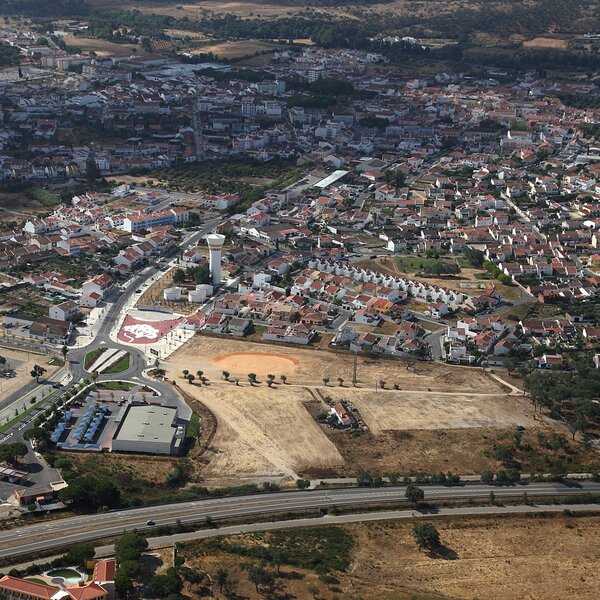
(107, 361)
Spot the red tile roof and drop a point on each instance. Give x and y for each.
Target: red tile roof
(22, 586)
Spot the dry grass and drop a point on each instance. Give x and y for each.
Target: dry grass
(490, 558)
(546, 42)
(101, 47)
(18, 207)
(236, 49)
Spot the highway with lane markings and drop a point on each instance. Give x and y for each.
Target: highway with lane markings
(64, 532)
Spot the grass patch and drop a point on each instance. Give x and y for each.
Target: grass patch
(39, 581)
(91, 356)
(46, 198)
(120, 366)
(320, 549)
(124, 386)
(409, 264)
(193, 430)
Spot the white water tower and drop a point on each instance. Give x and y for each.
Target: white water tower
(215, 244)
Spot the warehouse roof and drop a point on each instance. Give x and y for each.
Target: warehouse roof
(148, 423)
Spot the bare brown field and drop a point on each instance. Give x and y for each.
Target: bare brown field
(236, 49)
(262, 433)
(547, 42)
(22, 363)
(200, 353)
(488, 558)
(18, 207)
(193, 35)
(154, 295)
(268, 432)
(261, 363)
(101, 47)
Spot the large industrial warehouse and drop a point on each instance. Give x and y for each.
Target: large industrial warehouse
(149, 428)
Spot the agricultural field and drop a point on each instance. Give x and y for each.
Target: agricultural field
(270, 432)
(236, 49)
(547, 42)
(483, 557)
(101, 47)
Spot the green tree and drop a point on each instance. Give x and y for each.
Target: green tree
(487, 476)
(130, 568)
(10, 453)
(577, 424)
(165, 584)
(414, 494)
(427, 536)
(37, 372)
(123, 585)
(259, 576)
(92, 171)
(130, 546)
(80, 553)
(37, 434)
(146, 44)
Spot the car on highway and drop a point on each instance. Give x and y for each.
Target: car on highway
(150, 523)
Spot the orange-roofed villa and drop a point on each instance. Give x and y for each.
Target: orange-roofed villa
(16, 588)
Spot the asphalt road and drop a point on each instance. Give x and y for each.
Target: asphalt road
(63, 532)
(138, 360)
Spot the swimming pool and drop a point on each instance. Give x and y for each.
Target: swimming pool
(70, 576)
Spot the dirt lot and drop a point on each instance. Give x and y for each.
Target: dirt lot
(488, 558)
(269, 432)
(236, 49)
(154, 295)
(262, 433)
(18, 207)
(546, 42)
(22, 362)
(203, 352)
(101, 47)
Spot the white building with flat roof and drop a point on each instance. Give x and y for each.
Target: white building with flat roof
(149, 428)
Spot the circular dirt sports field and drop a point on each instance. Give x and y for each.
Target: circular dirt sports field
(261, 363)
